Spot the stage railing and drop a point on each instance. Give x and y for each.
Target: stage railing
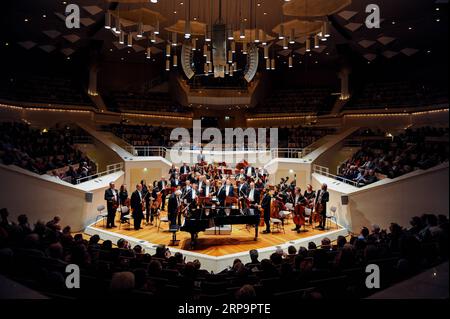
(110, 169)
(325, 171)
(147, 151)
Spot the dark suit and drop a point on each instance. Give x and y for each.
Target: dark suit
(136, 206)
(147, 198)
(265, 204)
(172, 209)
(222, 195)
(109, 197)
(252, 171)
(184, 169)
(324, 201)
(256, 196)
(242, 190)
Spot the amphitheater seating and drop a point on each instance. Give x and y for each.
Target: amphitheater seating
(44, 151)
(337, 271)
(305, 100)
(394, 156)
(398, 94)
(142, 102)
(43, 89)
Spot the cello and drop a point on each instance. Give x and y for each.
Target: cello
(299, 215)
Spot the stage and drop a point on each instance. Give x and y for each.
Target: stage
(216, 252)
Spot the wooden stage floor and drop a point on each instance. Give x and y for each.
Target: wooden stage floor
(240, 240)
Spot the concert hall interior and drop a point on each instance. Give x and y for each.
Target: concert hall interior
(218, 150)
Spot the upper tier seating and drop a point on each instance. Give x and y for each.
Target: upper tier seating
(43, 89)
(394, 156)
(44, 151)
(398, 94)
(144, 102)
(314, 100)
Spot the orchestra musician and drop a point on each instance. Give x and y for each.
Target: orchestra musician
(172, 171)
(298, 199)
(174, 180)
(225, 191)
(137, 205)
(322, 199)
(242, 188)
(250, 171)
(146, 197)
(185, 169)
(123, 199)
(162, 185)
(253, 195)
(265, 204)
(207, 190)
(241, 175)
(112, 202)
(173, 207)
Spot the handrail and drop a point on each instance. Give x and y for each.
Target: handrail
(147, 151)
(110, 169)
(325, 171)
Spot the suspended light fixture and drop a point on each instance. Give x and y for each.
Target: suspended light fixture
(230, 56)
(257, 36)
(231, 70)
(208, 57)
(272, 64)
(205, 50)
(281, 35)
(264, 38)
(308, 45)
(205, 68)
(230, 34)
(194, 44)
(157, 27)
(130, 40)
(167, 64)
(292, 37)
(187, 25)
(266, 52)
(116, 29)
(168, 50)
(235, 66)
(154, 1)
(174, 39)
(244, 48)
(267, 64)
(285, 44)
(149, 53)
(187, 30)
(175, 60)
(291, 62)
(233, 47)
(140, 30)
(242, 31)
(227, 69)
(122, 38)
(153, 38)
(316, 42)
(210, 68)
(108, 20)
(326, 29)
(208, 34)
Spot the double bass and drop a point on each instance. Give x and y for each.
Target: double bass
(299, 215)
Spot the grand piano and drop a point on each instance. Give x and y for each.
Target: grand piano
(208, 217)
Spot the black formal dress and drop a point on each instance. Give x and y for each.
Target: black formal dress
(136, 206)
(162, 186)
(265, 204)
(172, 209)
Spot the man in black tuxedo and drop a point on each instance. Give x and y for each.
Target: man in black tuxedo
(185, 169)
(250, 171)
(136, 206)
(112, 199)
(253, 195)
(242, 188)
(172, 208)
(323, 197)
(226, 191)
(265, 204)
